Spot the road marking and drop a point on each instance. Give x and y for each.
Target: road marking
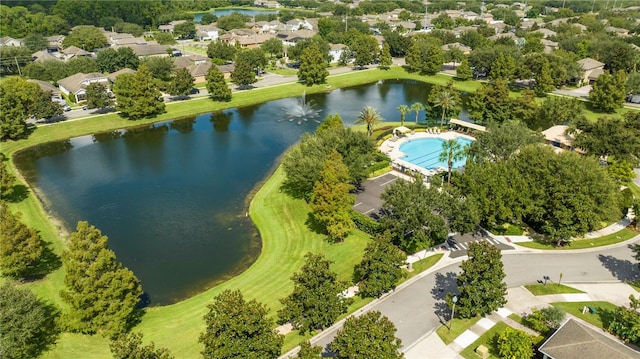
(386, 183)
(369, 211)
(461, 245)
(357, 204)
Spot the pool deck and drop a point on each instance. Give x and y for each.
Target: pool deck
(391, 148)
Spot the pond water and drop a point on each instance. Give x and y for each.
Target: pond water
(227, 12)
(171, 196)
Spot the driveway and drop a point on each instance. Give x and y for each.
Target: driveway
(368, 199)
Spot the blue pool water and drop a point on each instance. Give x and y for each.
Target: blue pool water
(425, 152)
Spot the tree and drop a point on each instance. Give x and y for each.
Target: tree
(97, 95)
(331, 200)
(273, 47)
(255, 57)
(217, 86)
(442, 95)
(481, 285)
(313, 68)
(307, 351)
(295, 53)
(446, 100)
(379, 271)
(504, 68)
(409, 216)
(35, 42)
(108, 60)
(7, 180)
(20, 100)
(545, 320)
(555, 111)
(371, 117)
(316, 300)
(365, 49)
(608, 136)
(159, 67)
(164, 38)
(101, 294)
(185, 30)
(404, 110)
(137, 95)
(370, 335)
(433, 61)
(491, 103)
(501, 141)
(608, 92)
(333, 122)
(129, 346)
(626, 321)
(514, 344)
(27, 324)
(417, 107)
(463, 71)
(236, 328)
(243, 74)
(87, 38)
(219, 51)
(20, 246)
(385, 57)
(544, 81)
(452, 151)
(181, 83)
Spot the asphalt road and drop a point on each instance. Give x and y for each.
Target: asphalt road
(417, 307)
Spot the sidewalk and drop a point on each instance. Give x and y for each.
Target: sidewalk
(519, 301)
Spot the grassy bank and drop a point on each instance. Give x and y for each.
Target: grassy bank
(612, 238)
(550, 288)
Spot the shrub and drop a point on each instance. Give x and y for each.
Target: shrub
(365, 223)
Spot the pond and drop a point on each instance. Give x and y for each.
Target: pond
(172, 196)
(227, 12)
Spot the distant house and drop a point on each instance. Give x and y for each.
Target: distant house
(76, 85)
(456, 45)
(149, 49)
(207, 32)
(270, 4)
(592, 69)
(112, 76)
(10, 41)
(336, 50)
(47, 86)
(44, 55)
(549, 46)
(73, 52)
(576, 340)
(170, 26)
(545, 32)
(558, 137)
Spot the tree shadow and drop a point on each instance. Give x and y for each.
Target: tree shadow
(314, 225)
(327, 352)
(18, 193)
(446, 284)
(606, 317)
(622, 269)
(49, 262)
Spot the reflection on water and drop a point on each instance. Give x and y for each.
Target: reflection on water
(171, 195)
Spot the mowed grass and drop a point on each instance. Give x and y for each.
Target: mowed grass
(613, 238)
(286, 240)
(485, 339)
(458, 326)
(601, 318)
(550, 288)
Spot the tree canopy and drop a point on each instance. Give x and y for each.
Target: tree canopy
(237, 328)
(481, 283)
(129, 346)
(101, 294)
(137, 95)
(217, 86)
(609, 136)
(370, 335)
(313, 68)
(20, 246)
(379, 271)
(316, 300)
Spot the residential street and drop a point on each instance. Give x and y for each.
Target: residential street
(417, 306)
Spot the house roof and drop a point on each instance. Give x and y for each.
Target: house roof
(590, 64)
(43, 55)
(456, 45)
(576, 340)
(45, 86)
(73, 83)
(149, 49)
(76, 51)
(112, 76)
(558, 134)
(198, 70)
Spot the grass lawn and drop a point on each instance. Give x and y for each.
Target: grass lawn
(550, 288)
(601, 318)
(424, 264)
(458, 326)
(282, 71)
(612, 238)
(516, 318)
(485, 339)
(635, 285)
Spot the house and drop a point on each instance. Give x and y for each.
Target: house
(557, 136)
(576, 340)
(200, 71)
(150, 49)
(290, 38)
(207, 32)
(456, 45)
(182, 62)
(617, 31)
(592, 69)
(170, 26)
(112, 76)
(297, 24)
(549, 46)
(54, 43)
(336, 50)
(44, 55)
(509, 35)
(73, 51)
(48, 87)
(76, 84)
(10, 41)
(545, 32)
(270, 4)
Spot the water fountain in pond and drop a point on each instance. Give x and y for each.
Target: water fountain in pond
(302, 110)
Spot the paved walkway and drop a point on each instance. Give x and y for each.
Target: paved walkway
(521, 302)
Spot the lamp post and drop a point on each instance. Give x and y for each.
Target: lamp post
(453, 310)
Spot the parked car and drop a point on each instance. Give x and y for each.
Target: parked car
(66, 108)
(194, 91)
(85, 107)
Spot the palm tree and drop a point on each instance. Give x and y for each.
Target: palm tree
(417, 107)
(446, 100)
(451, 151)
(369, 116)
(404, 110)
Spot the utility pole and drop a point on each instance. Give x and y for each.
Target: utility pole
(17, 64)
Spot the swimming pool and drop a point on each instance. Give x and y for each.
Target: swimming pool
(425, 152)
